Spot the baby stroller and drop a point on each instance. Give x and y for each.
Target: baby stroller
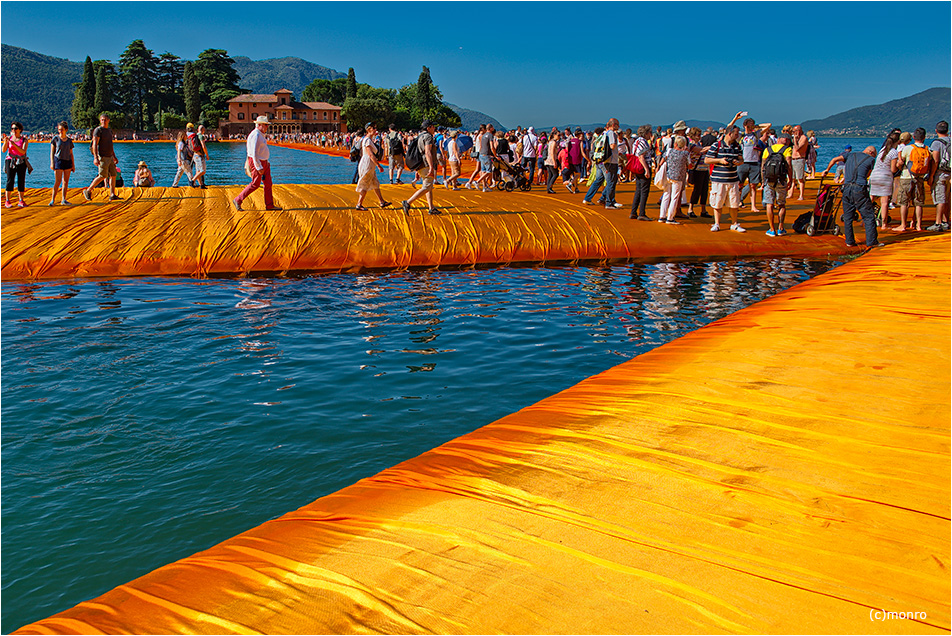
(510, 176)
(827, 207)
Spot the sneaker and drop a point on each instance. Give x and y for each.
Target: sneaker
(850, 244)
(435, 211)
(642, 217)
(237, 204)
(567, 187)
(587, 202)
(945, 227)
(406, 207)
(692, 215)
(737, 228)
(398, 182)
(53, 202)
(617, 206)
(86, 196)
(8, 205)
(661, 219)
(934, 228)
(65, 202)
(115, 197)
(21, 204)
(715, 228)
(781, 232)
(771, 233)
(672, 222)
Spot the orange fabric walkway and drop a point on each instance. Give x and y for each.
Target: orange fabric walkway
(183, 231)
(782, 470)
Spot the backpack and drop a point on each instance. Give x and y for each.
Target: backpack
(601, 149)
(355, 151)
(919, 158)
(775, 166)
(396, 145)
(944, 154)
(414, 158)
(545, 151)
(186, 150)
(195, 143)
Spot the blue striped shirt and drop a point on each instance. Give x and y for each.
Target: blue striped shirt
(721, 150)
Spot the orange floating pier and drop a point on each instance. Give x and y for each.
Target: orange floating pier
(782, 470)
(191, 232)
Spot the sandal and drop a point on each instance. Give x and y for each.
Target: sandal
(361, 208)
(386, 204)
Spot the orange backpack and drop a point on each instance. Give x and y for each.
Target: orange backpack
(919, 158)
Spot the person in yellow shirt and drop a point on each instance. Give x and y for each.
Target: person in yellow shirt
(775, 170)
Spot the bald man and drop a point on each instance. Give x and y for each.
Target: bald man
(856, 195)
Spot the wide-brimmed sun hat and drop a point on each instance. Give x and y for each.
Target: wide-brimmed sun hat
(143, 164)
(680, 125)
(262, 119)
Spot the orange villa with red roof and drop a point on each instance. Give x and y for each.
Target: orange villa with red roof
(287, 115)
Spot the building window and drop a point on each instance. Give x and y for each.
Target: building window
(335, 115)
(294, 115)
(284, 115)
(254, 115)
(325, 115)
(254, 105)
(241, 116)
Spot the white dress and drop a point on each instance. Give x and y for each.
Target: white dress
(367, 168)
(881, 178)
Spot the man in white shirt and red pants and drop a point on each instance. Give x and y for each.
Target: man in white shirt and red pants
(258, 165)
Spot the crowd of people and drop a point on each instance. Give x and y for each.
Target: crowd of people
(722, 168)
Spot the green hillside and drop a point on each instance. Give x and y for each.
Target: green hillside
(37, 89)
(922, 109)
(292, 73)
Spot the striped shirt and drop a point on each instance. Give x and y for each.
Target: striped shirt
(721, 150)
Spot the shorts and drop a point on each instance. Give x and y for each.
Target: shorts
(62, 164)
(567, 174)
(940, 188)
(395, 161)
(485, 163)
(427, 184)
(454, 169)
(750, 172)
(722, 193)
(199, 162)
(911, 192)
(798, 165)
(107, 167)
(775, 194)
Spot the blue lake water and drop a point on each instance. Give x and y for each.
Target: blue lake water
(147, 419)
(226, 167)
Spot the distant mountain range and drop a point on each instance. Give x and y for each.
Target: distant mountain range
(292, 73)
(38, 90)
(922, 109)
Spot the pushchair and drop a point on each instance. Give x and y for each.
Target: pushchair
(509, 176)
(827, 207)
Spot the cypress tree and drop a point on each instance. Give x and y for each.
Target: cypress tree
(424, 93)
(102, 99)
(351, 84)
(193, 103)
(84, 97)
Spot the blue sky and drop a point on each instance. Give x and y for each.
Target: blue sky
(549, 62)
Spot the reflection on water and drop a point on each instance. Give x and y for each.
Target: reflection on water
(146, 419)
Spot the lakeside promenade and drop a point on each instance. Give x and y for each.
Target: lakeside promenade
(782, 470)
